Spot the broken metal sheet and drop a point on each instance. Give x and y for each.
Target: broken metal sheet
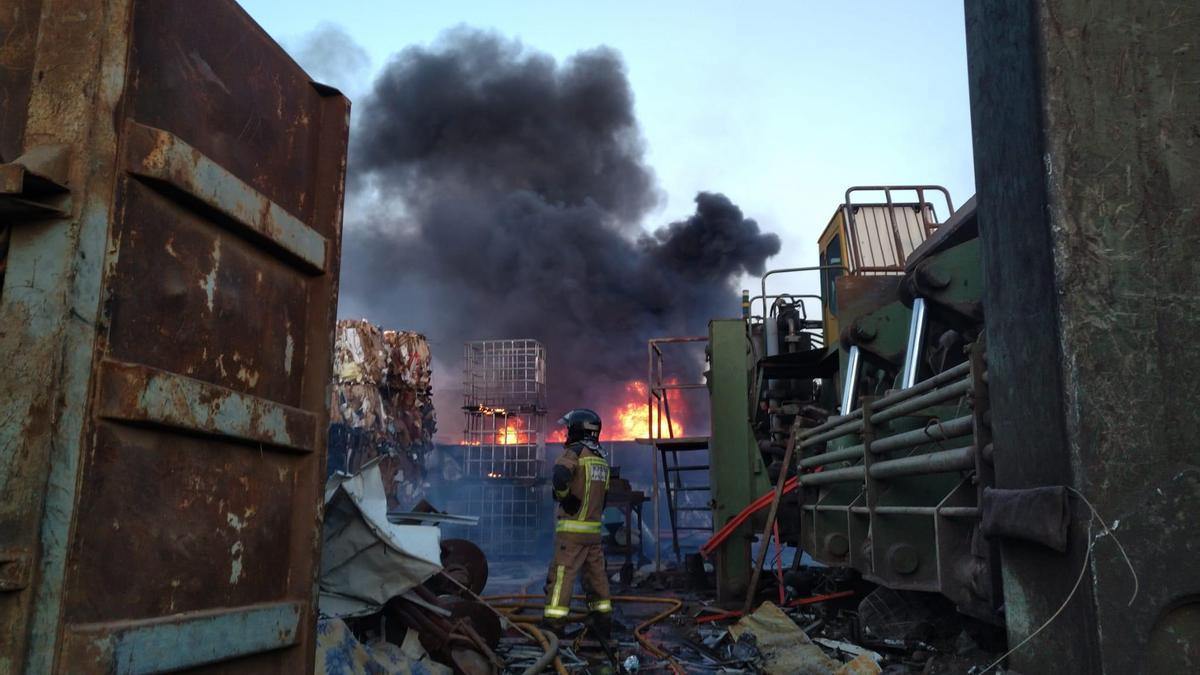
(366, 560)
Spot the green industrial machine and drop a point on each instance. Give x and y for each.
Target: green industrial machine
(879, 379)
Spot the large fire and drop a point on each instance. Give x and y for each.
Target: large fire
(509, 430)
(628, 419)
(512, 433)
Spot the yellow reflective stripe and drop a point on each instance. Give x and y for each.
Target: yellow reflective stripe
(555, 612)
(600, 606)
(557, 588)
(587, 463)
(578, 526)
(563, 492)
(587, 486)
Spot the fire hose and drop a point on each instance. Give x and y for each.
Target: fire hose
(549, 642)
(676, 604)
(550, 646)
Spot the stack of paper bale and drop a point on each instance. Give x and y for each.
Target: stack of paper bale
(381, 406)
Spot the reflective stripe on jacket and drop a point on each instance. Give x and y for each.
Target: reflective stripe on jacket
(589, 485)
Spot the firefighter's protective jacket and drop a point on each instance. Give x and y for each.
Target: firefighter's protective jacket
(580, 486)
(581, 502)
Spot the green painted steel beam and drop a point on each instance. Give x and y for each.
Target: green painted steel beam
(737, 475)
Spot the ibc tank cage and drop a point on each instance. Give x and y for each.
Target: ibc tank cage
(504, 400)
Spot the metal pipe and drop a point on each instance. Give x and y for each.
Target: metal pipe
(912, 404)
(848, 474)
(891, 212)
(850, 384)
(946, 511)
(916, 342)
(843, 455)
(814, 268)
(853, 426)
(899, 188)
(921, 387)
(774, 296)
(920, 402)
(941, 461)
(654, 500)
(939, 431)
(771, 335)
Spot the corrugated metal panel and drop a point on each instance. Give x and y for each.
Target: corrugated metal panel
(168, 341)
(882, 237)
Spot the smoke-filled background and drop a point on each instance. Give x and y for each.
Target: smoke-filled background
(497, 193)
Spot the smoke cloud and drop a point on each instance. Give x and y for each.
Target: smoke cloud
(330, 56)
(500, 194)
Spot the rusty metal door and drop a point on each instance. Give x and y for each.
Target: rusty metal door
(171, 193)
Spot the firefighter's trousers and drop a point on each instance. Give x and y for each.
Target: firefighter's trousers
(576, 555)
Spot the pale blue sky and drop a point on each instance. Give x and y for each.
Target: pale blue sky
(780, 105)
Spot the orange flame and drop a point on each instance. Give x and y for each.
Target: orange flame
(512, 433)
(627, 421)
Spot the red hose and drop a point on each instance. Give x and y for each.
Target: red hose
(795, 603)
(762, 502)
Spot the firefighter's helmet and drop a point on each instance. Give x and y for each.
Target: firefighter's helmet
(582, 424)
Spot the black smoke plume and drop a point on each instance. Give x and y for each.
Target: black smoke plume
(499, 194)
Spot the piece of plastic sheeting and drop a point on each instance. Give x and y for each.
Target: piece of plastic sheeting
(365, 560)
(785, 648)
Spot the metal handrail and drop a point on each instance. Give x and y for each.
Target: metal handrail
(852, 242)
(789, 270)
(658, 406)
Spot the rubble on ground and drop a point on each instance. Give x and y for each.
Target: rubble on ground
(388, 599)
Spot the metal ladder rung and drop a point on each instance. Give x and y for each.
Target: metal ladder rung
(694, 467)
(693, 488)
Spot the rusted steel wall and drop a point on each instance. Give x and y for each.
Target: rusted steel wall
(1087, 162)
(167, 342)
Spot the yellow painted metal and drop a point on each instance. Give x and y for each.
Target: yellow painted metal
(836, 228)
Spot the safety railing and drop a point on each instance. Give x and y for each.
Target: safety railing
(881, 236)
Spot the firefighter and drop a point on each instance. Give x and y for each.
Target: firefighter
(580, 483)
